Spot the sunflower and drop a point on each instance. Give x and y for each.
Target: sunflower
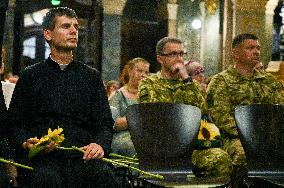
(54, 136)
(208, 131)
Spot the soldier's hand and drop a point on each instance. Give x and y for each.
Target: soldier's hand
(179, 70)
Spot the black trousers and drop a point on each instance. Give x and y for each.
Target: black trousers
(62, 171)
(4, 180)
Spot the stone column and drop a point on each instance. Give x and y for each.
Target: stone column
(250, 18)
(202, 33)
(113, 10)
(8, 41)
(172, 8)
(210, 47)
(227, 33)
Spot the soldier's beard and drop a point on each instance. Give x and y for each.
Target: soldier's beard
(168, 72)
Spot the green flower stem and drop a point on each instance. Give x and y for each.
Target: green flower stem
(133, 168)
(15, 164)
(125, 161)
(112, 161)
(111, 155)
(122, 157)
(72, 148)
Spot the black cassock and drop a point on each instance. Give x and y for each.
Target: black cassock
(73, 99)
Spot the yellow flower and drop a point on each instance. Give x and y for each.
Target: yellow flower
(54, 135)
(208, 131)
(42, 140)
(55, 132)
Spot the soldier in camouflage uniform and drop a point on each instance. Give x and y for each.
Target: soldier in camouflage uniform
(240, 84)
(173, 84)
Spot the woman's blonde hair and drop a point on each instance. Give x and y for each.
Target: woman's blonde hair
(124, 76)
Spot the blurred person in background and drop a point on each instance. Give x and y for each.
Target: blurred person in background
(133, 72)
(111, 87)
(196, 71)
(7, 172)
(11, 78)
(8, 85)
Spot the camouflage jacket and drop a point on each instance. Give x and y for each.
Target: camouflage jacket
(157, 89)
(229, 89)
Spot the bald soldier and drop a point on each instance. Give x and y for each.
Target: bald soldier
(241, 84)
(173, 84)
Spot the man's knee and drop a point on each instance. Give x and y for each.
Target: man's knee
(236, 151)
(212, 162)
(99, 174)
(4, 180)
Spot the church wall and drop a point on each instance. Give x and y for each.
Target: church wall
(187, 12)
(212, 44)
(203, 44)
(111, 47)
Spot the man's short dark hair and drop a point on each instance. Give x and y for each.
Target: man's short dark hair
(240, 38)
(49, 18)
(161, 44)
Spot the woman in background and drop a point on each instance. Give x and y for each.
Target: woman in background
(134, 71)
(111, 87)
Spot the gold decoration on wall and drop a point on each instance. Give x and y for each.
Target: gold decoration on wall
(211, 6)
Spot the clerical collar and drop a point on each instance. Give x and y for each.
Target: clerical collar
(61, 66)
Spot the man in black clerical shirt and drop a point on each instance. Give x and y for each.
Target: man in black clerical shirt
(66, 93)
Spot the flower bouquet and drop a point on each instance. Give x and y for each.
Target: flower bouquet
(54, 136)
(115, 159)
